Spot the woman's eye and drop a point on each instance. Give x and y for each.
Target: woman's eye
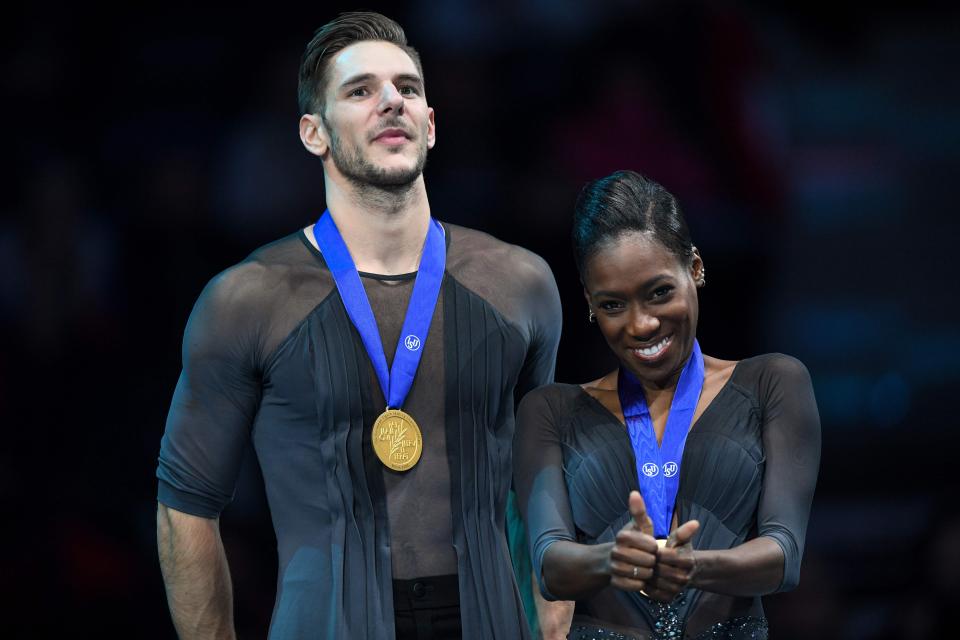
(660, 292)
(611, 306)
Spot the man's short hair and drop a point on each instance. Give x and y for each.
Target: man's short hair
(335, 36)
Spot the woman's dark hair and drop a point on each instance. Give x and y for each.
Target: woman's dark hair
(625, 202)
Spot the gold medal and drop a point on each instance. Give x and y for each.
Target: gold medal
(396, 440)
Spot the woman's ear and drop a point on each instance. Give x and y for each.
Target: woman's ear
(697, 270)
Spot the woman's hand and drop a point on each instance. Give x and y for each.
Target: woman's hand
(634, 553)
(676, 564)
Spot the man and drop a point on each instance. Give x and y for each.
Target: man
(386, 472)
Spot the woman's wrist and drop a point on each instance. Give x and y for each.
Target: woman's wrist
(699, 560)
(571, 569)
(602, 560)
(752, 568)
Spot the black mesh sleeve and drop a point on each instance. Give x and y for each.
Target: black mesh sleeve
(546, 322)
(214, 403)
(791, 442)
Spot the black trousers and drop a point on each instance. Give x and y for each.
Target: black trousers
(427, 608)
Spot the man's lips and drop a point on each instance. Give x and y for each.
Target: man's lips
(392, 136)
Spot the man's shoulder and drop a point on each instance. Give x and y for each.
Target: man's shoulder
(264, 274)
(289, 252)
(471, 249)
(514, 280)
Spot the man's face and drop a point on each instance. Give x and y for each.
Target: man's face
(376, 115)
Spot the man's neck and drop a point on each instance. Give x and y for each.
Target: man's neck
(384, 228)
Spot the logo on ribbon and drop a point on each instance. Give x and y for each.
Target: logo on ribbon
(670, 469)
(411, 342)
(650, 469)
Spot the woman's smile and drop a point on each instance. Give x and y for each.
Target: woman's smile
(653, 352)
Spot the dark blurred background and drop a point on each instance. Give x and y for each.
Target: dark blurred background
(814, 151)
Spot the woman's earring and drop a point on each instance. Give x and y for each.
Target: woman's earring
(591, 316)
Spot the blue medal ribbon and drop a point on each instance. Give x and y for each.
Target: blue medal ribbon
(396, 382)
(658, 467)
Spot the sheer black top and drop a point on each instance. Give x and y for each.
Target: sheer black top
(748, 469)
(270, 357)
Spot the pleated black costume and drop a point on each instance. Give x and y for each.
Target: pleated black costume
(749, 469)
(271, 357)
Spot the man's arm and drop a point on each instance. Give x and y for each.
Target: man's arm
(206, 434)
(555, 617)
(196, 575)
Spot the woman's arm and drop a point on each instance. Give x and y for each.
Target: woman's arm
(573, 571)
(752, 568)
(538, 479)
(791, 441)
(565, 569)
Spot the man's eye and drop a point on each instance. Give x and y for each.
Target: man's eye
(409, 90)
(359, 92)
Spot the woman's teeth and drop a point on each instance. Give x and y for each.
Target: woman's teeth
(655, 350)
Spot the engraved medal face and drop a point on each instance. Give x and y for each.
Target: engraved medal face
(396, 440)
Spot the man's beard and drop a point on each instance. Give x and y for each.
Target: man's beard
(356, 168)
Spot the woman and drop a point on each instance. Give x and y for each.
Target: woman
(672, 521)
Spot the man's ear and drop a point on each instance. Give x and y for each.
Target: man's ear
(314, 135)
(431, 129)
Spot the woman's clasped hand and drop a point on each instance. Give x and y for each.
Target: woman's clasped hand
(639, 562)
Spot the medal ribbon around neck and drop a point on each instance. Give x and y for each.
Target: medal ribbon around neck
(658, 467)
(396, 381)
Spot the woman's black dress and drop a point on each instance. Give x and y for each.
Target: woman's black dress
(749, 469)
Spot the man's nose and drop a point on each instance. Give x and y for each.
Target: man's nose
(390, 99)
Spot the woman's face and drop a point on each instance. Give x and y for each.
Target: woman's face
(645, 299)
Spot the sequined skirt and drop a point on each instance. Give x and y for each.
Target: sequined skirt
(670, 628)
